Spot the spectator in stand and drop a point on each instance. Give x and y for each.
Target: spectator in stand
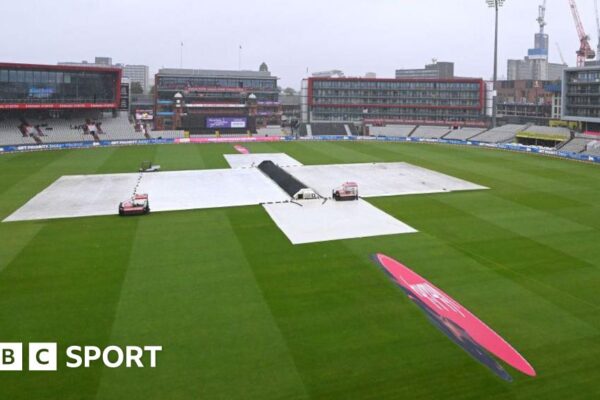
(23, 129)
(30, 131)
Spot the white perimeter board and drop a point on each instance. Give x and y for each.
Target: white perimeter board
(318, 222)
(379, 179)
(253, 159)
(89, 195)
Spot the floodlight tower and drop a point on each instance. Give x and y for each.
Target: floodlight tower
(495, 4)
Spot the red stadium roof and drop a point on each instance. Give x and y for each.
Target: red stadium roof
(58, 67)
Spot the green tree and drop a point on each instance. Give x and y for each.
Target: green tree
(136, 88)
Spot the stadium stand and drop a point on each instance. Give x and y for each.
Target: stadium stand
(10, 133)
(543, 136)
(500, 134)
(430, 132)
(547, 132)
(79, 127)
(392, 130)
(464, 133)
(271, 130)
(119, 127)
(166, 134)
(576, 145)
(61, 130)
(329, 129)
(592, 148)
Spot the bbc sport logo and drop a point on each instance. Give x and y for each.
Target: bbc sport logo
(44, 356)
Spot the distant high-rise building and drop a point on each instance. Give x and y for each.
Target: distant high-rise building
(137, 73)
(103, 60)
(535, 65)
(437, 70)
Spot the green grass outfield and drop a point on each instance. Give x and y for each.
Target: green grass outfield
(243, 314)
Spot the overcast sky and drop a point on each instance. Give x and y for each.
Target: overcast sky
(290, 36)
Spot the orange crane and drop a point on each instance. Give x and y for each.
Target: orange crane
(585, 51)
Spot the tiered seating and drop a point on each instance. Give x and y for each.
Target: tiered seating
(352, 129)
(10, 134)
(328, 129)
(166, 134)
(118, 127)
(391, 130)
(61, 130)
(576, 145)
(592, 148)
(430, 132)
(464, 133)
(70, 130)
(548, 132)
(500, 134)
(274, 130)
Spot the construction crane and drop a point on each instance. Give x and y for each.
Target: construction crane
(597, 27)
(562, 58)
(541, 19)
(585, 51)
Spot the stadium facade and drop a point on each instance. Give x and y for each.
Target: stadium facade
(459, 101)
(26, 87)
(196, 100)
(581, 96)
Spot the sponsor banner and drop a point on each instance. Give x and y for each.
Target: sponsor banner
(214, 105)
(41, 93)
(107, 143)
(213, 89)
(227, 122)
(144, 115)
(27, 106)
(229, 140)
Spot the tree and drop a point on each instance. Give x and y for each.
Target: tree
(289, 91)
(136, 88)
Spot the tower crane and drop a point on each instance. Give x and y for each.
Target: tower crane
(585, 51)
(541, 19)
(562, 58)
